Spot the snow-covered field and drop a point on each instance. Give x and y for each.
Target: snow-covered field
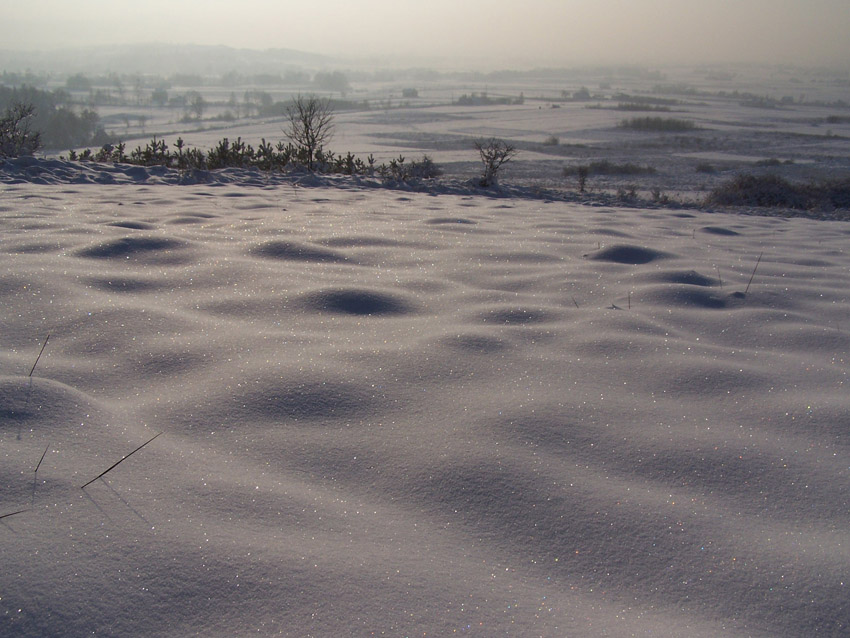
(411, 413)
(802, 126)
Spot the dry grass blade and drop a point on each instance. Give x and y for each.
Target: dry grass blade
(758, 261)
(43, 346)
(13, 513)
(43, 454)
(114, 465)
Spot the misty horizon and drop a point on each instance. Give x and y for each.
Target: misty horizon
(483, 35)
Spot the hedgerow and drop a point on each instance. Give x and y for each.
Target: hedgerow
(606, 167)
(658, 124)
(777, 192)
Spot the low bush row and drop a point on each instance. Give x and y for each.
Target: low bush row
(281, 157)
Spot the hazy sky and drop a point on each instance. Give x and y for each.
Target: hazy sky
(545, 32)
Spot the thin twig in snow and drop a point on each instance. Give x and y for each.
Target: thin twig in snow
(758, 261)
(44, 345)
(41, 459)
(123, 458)
(13, 513)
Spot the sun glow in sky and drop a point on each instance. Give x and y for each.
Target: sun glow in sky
(505, 32)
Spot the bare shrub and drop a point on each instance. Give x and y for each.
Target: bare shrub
(582, 172)
(494, 154)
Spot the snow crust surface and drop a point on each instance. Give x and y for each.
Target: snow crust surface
(406, 414)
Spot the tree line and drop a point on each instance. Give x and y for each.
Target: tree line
(50, 114)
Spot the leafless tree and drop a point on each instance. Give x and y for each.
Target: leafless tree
(494, 154)
(311, 124)
(196, 103)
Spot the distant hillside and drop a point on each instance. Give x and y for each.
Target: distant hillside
(161, 59)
